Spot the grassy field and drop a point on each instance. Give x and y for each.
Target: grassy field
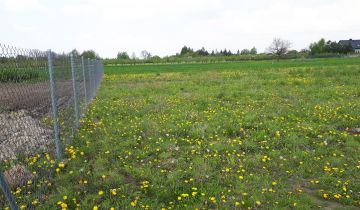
(248, 135)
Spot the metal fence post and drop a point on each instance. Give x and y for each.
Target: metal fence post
(54, 107)
(90, 85)
(7, 192)
(94, 77)
(83, 71)
(76, 105)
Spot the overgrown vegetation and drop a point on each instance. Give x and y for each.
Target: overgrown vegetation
(18, 75)
(248, 135)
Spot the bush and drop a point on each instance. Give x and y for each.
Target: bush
(17, 75)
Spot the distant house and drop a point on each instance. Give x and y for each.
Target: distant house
(355, 44)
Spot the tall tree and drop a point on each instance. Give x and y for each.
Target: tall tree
(202, 52)
(145, 54)
(253, 51)
(317, 47)
(279, 47)
(186, 50)
(90, 54)
(75, 52)
(245, 52)
(123, 55)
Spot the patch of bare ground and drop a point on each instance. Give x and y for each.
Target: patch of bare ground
(20, 133)
(321, 203)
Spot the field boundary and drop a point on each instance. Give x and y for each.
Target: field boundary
(43, 96)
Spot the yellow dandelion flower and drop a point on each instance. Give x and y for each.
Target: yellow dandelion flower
(133, 203)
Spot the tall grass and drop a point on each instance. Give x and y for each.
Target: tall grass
(18, 75)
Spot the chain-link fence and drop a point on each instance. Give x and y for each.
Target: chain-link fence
(42, 98)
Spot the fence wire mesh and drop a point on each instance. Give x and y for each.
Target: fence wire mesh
(42, 98)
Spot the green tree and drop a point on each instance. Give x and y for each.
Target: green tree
(323, 46)
(123, 56)
(75, 52)
(253, 51)
(90, 54)
(334, 47)
(245, 52)
(202, 52)
(317, 47)
(186, 50)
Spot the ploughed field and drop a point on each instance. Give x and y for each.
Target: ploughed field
(259, 135)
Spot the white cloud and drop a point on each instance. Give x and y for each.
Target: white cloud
(163, 27)
(23, 28)
(19, 5)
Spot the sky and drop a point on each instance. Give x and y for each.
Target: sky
(163, 27)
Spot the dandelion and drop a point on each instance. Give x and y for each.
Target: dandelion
(337, 196)
(184, 195)
(61, 165)
(101, 193)
(63, 205)
(113, 191)
(133, 203)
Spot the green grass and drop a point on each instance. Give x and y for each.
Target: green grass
(270, 135)
(18, 75)
(244, 65)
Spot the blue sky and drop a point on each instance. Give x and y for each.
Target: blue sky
(163, 26)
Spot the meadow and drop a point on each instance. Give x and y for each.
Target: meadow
(240, 135)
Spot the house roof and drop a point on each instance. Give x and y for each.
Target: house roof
(355, 44)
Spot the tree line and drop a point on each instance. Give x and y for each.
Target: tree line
(279, 48)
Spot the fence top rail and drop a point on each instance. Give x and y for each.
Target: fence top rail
(12, 52)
